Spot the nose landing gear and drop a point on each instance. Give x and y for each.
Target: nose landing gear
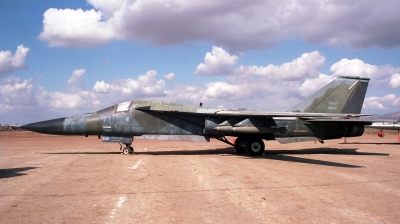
(127, 150)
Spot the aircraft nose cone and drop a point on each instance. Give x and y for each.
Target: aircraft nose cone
(54, 126)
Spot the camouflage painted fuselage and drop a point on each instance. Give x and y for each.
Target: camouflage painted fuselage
(138, 118)
(323, 115)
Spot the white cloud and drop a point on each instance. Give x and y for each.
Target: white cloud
(385, 103)
(77, 81)
(355, 67)
(270, 87)
(395, 81)
(76, 96)
(380, 75)
(309, 86)
(169, 76)
(10, 63)
(217, 62)
(237, 25)
(308, 65)
(220, 90)
(59, 100)
(75, 28)
(23, 100)
(131, 89)
(16, 94)
(263, 87)
(101, 87)
(182, 93)
(108, 7)
(279, 87)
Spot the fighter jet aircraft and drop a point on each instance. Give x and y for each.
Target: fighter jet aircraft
(330, 113)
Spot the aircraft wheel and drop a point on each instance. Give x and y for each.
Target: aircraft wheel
(239, 145)
(255, 147)
(126, 151)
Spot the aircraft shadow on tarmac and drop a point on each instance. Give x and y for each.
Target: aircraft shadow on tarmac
(339, 151)
(14, 172)
(174, 152)
(312, 161)
(282, 155)
(371, 143)
(81, 153)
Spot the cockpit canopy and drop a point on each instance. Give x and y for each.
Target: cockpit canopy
(117, 108)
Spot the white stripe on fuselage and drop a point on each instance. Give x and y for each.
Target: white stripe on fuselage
(284, 118)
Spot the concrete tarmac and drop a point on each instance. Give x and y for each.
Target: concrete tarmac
(73, 179)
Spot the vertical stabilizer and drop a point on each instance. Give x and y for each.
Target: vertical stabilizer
(345, 94)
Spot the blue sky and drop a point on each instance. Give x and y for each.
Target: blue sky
(61, 58)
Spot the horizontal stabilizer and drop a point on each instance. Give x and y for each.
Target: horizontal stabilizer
(188, 138)
(340, 120)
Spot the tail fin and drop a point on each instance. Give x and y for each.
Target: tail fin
(345, 94)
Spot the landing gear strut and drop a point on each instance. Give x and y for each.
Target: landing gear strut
(253, 146)
(127, 149)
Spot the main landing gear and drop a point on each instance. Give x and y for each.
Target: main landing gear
(127, 150)
(253, 146)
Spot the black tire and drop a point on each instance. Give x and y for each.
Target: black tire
(255, 147)
(126, 151)
(131, 150)
(239, 145)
